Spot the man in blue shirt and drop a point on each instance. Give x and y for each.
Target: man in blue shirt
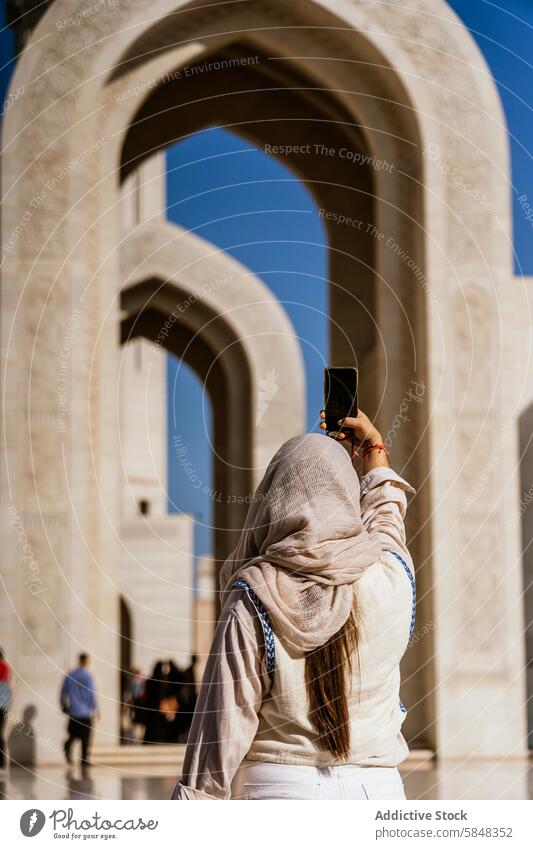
(78, 700)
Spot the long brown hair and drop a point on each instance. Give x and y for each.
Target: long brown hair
(328, 676)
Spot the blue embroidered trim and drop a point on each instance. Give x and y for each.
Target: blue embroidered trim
(268, 633)
(413, 587)
(413, 609)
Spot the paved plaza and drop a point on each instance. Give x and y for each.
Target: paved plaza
(453, 780)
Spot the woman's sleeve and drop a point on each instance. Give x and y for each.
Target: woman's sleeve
(225, 719)
(383, 507)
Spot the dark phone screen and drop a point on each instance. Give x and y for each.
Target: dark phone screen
(340, 395)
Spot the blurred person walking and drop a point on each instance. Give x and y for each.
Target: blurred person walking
(6, 698)
(161, 703)
(78, 701)
(132, 720)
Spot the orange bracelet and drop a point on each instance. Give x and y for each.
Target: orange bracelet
(376, 447)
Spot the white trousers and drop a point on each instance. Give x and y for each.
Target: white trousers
(256, 780)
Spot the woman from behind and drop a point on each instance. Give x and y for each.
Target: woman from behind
(300, 695)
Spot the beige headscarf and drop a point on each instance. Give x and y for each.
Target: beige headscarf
(303, 544)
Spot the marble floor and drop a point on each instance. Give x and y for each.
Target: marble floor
(511, 779)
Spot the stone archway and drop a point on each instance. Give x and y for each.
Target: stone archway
(226, 324)
(435, 258)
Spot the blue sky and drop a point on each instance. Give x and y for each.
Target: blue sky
(267, 222)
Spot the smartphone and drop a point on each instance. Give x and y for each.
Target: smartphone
(340, 395)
